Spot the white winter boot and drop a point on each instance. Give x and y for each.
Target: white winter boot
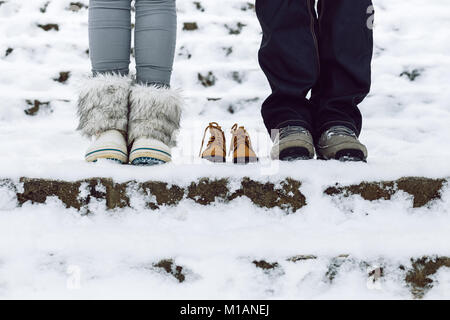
(103, 112)
(155, 114)
(147, 151)
(110, 145)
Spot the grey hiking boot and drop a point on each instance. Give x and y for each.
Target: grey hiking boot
(341, 143)
(293, 143)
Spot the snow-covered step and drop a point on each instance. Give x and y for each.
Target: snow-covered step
(49, 253)
(218, 238)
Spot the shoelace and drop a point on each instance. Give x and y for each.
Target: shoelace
(212, 125)
(340, 131)
(286, 131)
(239, 134)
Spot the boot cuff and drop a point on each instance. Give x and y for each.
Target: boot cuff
(155, 113)
(103, 104)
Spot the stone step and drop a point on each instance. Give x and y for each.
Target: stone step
(286, 194)
(417, 275)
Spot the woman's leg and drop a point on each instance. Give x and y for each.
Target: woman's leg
(110, 36)
(155, 109)
(103, 101)
(155, 37)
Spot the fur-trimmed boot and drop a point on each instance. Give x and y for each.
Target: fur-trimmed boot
(155, 114)
(103, 112)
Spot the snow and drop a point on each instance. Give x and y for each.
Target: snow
(216, 245)
(405, 128)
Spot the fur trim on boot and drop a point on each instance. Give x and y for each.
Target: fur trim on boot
(155, 113)
(103, 104)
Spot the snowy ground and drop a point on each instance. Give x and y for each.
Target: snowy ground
(406, 128)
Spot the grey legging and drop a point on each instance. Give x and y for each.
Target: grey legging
(155, 36)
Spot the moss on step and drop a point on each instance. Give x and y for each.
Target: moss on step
(301, 258)
(418, 277)
(171, 268)
(207, 80)
(35, 106)
(267, 195)
(116, 194)
(206, 191)
(262, 264)
(49, 26)
(37, 191)
(190, 26)
(163, 194)
(63, 77)
(423, 190)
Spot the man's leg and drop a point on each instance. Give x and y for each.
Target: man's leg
(346, 46)
(289, 58)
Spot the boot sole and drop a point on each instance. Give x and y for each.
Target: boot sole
(149, 156)
(214, 159)
(347, 155)
(108, 154)
(147, 161)
(295, 153)
(245, 160)
(350, 155)
(110, 159)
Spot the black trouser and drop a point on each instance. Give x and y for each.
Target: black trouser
(330, 53)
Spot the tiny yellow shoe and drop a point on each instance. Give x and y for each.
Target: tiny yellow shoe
(241, 146)
(215, 150)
